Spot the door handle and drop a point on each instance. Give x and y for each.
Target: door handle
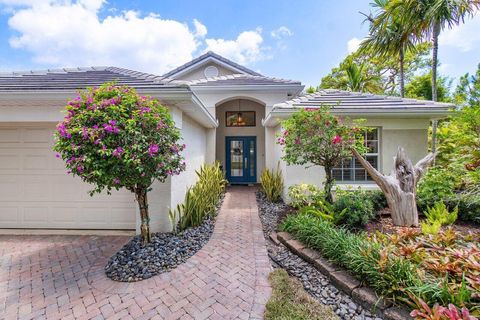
(246, 162)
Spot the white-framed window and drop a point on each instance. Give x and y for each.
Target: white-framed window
(351, 170)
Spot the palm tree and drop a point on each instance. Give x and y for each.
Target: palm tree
(427, 18)
(388, 37)
(357, 78)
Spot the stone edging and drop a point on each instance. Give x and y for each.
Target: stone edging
(344, 281)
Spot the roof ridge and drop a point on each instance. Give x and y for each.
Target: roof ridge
(205, 56)
(139, 75)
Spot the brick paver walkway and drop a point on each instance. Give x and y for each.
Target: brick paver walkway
(61, 277)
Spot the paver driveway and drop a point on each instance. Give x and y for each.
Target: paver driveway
(61, 277)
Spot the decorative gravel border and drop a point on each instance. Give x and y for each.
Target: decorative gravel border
(363, 295)
(136, 262)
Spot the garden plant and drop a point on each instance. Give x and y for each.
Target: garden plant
(316, 137)
(114, 138)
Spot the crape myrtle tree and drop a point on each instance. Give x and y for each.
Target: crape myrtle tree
(114, 138)
(315, 137)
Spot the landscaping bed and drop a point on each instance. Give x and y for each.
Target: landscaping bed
(195, 218)
(317, 285)
(404, 267)
(135, 261)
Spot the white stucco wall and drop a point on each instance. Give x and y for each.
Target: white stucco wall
(411, 134)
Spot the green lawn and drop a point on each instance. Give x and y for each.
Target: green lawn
(290, 301)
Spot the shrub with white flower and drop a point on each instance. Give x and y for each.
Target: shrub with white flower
(113, 138)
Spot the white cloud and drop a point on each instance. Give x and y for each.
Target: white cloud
(247, 48)
(353, 45)
(465, 37)
(77, 36)
(282, 32)
(200, 29)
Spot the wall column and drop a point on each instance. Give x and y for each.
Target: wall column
(211, 145)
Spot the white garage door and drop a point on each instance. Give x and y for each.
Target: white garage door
(36, 192)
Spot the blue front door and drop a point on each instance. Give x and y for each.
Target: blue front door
(241, 159)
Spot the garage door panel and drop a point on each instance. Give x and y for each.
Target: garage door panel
(9, 135)
(9, 217)
(10, 161)
(36, 191)
(37, 135)
(37, 215)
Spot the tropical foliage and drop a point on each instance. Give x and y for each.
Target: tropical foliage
(317, 137)
(406, 267)
(202, 199)
(304, 194)
(272, 183)
(374, 73)
(113, 138)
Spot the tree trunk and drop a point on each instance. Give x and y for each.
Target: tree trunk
(141, 195)
(328, 184)
(402, 72)
(436, 32)
(400, 186)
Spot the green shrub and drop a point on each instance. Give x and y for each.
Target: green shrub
(378, 199)
(304, 194)
(468, 206)
(430, 227)
(272, 183)
(389, 274)
(440, 213)
(438, 184)
(354, 209)
(202, 198)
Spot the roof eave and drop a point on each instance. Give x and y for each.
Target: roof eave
(245, 87)
(277, 114)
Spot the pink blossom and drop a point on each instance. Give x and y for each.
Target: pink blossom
(311, 109)
(153, 150)
(116, 181)
(297, 141)
(57, 155)
(285, 133)
(118, 152)
(62, 130)
(337, 140)
(80, 169)
(84, 133)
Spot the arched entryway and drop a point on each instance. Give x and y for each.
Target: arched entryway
(240, 139)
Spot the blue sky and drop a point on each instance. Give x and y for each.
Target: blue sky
(277, 38)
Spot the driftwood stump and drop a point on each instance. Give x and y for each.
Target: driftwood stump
(400, 186)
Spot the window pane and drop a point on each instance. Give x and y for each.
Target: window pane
(373, 161)
(337, 174)
(236, 158)
(372, 134)
(360, 175)
(240, 118)
(251, 160)
(372, 146)
(351, 169)
(347, 175)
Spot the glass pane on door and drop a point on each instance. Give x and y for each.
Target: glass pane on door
(236, 158)
(251, 158)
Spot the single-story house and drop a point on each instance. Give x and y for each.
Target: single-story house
(226, 112)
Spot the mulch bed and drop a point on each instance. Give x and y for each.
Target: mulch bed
(384, 224)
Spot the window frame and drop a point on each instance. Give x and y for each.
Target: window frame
(352, 168)
(240, 111)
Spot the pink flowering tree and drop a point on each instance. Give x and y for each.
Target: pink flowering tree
(113, 138)
(315, 137)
